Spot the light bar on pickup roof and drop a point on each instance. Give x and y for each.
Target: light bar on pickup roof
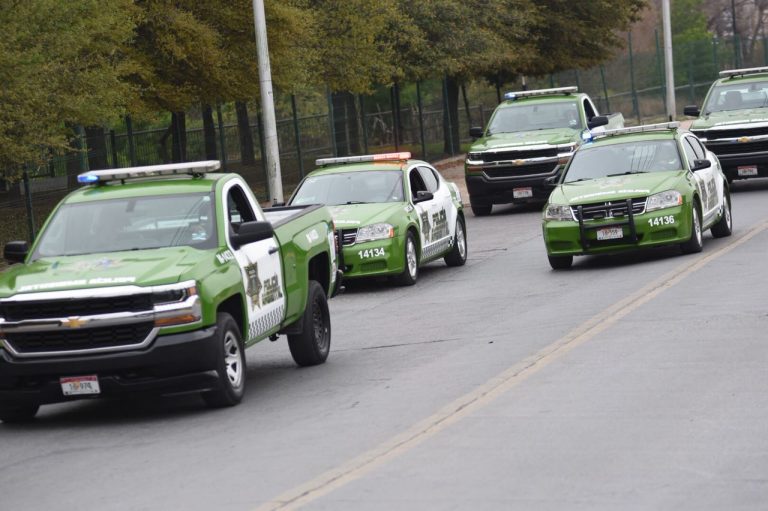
(194, 168)
(730, 73)
(638, 129)
(540, 92)
(402, 156)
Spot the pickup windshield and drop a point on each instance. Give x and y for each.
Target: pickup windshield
(596, 161)
(737, 96)
(536, 116)
(134, 223)
(351, 188)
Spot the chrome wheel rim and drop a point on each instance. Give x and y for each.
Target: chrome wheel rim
(697, 226)
(410, 255)
(727, 207)
(233, 359)
(461, 240)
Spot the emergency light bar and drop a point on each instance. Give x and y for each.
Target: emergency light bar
(195, 168)
(730, 73)
(638, 129)
(368, 157)
(540, 92)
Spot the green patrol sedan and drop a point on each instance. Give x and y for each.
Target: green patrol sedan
(634, 188)
(394, 214)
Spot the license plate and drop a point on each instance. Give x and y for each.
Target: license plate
(610, 233)
(748, 170)
(80, 385)
(522, 193)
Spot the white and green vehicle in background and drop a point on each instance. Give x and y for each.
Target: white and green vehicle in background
(156, 279)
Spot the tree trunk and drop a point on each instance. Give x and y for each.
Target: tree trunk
(244, 133)
(97, 148)
(209, 133)
(179, 137)
(345, 126)
(451, 116)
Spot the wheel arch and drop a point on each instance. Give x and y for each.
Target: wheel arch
(235, 307)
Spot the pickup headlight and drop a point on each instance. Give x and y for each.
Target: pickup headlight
(375, 232)
(474, 158)
(558, 212)
(176, 304)
(663, 200)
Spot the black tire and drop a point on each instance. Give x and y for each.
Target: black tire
(695, 243)
(411, 257)
(458, 254)
(560, 262)
(17, 413)
(312, 345)
(230, 366)
(479, 209)
(724, 226)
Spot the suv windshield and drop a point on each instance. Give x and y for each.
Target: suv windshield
(596, 161)
(134, 223)
(351, 188)
(536, 116)
(737, 96)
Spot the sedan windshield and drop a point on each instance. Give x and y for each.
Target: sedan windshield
(737, 96)
(596, 161)
(129, 224)
(536, 116)
(351, 188)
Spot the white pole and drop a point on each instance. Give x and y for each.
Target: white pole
(267, 104)
(669, 66)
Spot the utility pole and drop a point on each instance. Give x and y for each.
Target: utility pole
(272, 151)
(668, 64)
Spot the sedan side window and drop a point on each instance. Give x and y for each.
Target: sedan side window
(690, 154)
(417, 183)
(429, 178)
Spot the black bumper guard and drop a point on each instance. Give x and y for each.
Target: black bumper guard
(585, 243)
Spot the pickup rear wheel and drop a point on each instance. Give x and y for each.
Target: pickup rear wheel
(230, 365)
(312, 345)
(16, 413)
(479, 209)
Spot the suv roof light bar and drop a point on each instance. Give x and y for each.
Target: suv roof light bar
(401, 156)
(731, 73)
(540, 92)
(663, 126)
(195, 168)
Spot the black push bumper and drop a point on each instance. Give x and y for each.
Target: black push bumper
(172, 364)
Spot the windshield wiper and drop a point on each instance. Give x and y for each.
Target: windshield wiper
(356, 202)
(628, 173)
(580, 179)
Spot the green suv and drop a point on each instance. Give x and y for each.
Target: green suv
(635, 188)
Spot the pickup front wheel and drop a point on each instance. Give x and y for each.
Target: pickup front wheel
(230, 365)
(312, 345)
(16, 413)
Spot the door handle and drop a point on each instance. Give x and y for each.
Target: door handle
(273, 250)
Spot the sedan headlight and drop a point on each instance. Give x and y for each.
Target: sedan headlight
(375, 232)
(663, 200)
(558, 212)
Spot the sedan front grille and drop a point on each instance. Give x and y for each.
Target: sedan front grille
(610, 209)
(348, 236)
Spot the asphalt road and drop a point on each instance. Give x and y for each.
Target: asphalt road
(633, 382)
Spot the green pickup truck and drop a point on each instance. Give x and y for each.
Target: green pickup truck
(529, 138)
(733, 123)
(156, 279)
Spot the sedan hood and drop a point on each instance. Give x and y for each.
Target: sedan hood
(615, 187)
(352, 216)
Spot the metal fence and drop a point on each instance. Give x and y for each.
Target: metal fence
(406, 117)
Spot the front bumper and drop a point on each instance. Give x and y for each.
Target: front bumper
(638, 231)
(172, 364)
(374, 258)
(731, 163)
(485, 189)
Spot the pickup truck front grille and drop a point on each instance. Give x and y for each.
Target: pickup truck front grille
(348, 236)
(611, 209)
(522, 170)
(739, 148)
(744, 132)
(520, 155)
(45, 309)
(79, 339)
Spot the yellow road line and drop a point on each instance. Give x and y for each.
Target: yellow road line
(471, 402)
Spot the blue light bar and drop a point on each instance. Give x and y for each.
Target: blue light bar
(195, 168)
(540, 92)
(87, 179)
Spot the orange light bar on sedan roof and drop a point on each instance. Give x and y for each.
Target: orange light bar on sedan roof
(401, 156)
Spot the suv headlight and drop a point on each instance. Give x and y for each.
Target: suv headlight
(663, 200)
(375, 232)
(558, 212)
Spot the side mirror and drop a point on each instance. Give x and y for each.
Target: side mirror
(251, 232)
(597, 121)
(16, 251)
(423, 196)
(691, 111)
(476, 132)
(701, 164)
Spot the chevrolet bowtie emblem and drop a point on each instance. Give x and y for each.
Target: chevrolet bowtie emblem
(743, 139)
(518, 162)
(73, 322)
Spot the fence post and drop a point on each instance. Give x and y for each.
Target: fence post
(28, 204)
(421, 121)
(691, 89)
(331, 123)
(714, 55)
(498, 88)
(113, 143)
(131, 146)
(635, 105)
(83, 148)
(361, 98)
(297, 135)
(222, 138)
(448, 116)
(552, 80)
(765, 51)
(605, 89)
(578, 82)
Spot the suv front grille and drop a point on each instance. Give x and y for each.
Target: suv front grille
(611, 209)
(79, 339)
(46, 309)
